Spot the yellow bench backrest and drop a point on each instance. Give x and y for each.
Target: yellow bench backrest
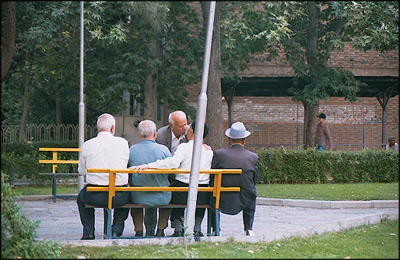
(216, 190)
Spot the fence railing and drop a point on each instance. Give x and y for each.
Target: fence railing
(345, 137)
(45, 132)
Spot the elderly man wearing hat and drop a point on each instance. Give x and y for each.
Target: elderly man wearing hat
(237, 157)
(322, 135)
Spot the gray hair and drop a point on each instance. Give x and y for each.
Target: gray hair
(105, 121)
(146, 128)
(177, 113)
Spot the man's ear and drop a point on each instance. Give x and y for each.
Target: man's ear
(112, 130)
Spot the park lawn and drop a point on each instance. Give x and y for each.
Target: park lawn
(347, 191)
(379, 241)
(334, 192)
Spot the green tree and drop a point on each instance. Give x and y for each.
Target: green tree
(240, 30)
(8, 18)
(315, 29)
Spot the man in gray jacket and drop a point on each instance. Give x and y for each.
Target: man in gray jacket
(175, 132)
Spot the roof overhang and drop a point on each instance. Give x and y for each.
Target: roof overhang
(278, 86)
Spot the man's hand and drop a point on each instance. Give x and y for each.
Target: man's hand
(207, 147)
(138, 169)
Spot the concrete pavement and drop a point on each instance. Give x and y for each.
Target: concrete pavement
(274, 219)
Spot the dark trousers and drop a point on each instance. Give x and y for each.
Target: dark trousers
(100, 199)
(247, 214)
(181, 198)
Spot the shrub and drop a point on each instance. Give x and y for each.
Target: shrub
(308, 166)
(22, 159)
(18, 233)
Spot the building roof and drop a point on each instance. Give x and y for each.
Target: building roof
(278, 86)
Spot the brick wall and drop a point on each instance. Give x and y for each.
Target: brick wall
(276, 121)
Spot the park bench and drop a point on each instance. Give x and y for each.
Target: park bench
(216, 190)
(55, 162)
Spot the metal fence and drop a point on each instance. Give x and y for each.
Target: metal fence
(345, 137)
(45, 132)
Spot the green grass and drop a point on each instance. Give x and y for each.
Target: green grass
(45, 190)
(373, 241)
(348, 191)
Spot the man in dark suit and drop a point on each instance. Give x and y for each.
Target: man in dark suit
(236, 157)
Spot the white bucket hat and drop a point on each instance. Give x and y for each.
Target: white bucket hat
(237, 131)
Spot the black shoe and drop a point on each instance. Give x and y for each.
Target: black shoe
(198, 234)
(116, 234)
(87, 237)
(150, 233)
(139, 233)
(178, 234)
(160, 233)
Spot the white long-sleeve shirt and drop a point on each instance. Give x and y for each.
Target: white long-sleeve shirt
(182, 159)
(104, 151)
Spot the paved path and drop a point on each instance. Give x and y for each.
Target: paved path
(273, 220)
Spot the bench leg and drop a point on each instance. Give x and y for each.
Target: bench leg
(54, 188)
(107, 223)
(217, 222)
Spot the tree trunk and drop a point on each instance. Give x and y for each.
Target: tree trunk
(310, 117)
(150, 88)
(27, 81)
(311, 109)
(214, 104)
(59, 118)
(8, 37)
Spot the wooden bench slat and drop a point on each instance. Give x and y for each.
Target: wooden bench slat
(60, 173)
(145, 206)
(60, 161)
(49, 149)
(166, 171)
(176, 189)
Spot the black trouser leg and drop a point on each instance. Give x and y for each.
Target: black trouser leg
(248, 216)
(150, 219)
(100, 199)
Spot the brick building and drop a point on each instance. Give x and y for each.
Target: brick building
(276, 120)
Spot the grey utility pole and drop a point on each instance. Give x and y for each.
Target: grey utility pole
(81, 104)
(198, 136)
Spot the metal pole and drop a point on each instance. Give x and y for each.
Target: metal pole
(198, 136)
(81, 104)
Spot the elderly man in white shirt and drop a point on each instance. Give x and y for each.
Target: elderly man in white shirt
(182, 159)
(103, 151)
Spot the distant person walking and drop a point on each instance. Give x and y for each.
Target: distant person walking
(323, 135)
(392, 144)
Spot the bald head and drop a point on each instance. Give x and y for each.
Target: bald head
(178, 123)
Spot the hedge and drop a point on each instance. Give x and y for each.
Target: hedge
(274, 166)
(22, 159)
(310, 166)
